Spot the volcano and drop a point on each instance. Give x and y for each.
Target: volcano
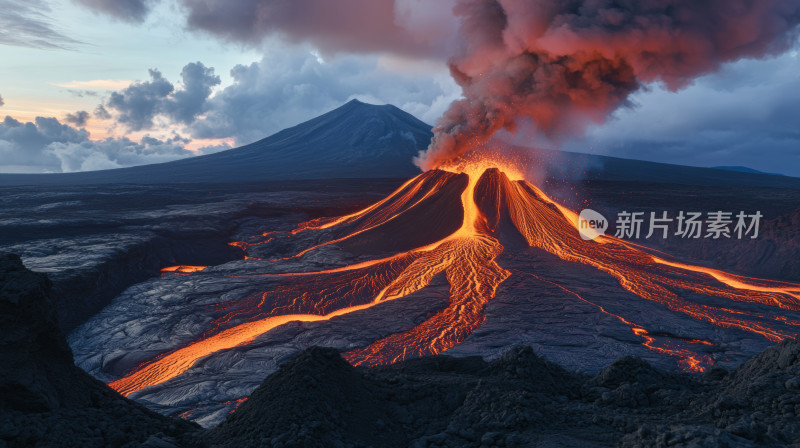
(457, 240)
(358, 140)
(347, 142)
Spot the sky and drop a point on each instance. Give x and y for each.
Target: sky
(96, 84)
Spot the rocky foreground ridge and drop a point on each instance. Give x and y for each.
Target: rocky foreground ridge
(316, 399)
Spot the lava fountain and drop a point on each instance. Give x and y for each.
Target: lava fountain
(454, 223)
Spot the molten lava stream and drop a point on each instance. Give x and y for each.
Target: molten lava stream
(466, 257)
(548, 226)
(492, 206)
(303, 300)
(325, 223)
(182, 269)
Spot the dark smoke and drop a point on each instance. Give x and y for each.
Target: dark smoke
(361, 26)
(566, 63)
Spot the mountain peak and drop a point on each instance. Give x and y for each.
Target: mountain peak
(355, 105)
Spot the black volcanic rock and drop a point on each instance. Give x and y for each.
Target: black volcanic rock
(316, 396)
(523, 364)
(763, 395)
(518, 400)
(45, 400)
(32, 349)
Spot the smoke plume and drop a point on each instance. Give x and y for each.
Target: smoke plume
(356, 26)
(567, 63)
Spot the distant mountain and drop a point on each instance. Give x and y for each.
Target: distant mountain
(743, 169)
(356, 140)
(572, 165)
(359, 140)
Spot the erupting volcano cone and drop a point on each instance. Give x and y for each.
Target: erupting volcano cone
(456, 225)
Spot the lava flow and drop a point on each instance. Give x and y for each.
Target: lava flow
(182, 269)
(455, 225)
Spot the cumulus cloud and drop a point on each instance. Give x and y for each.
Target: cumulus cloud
(284, 89)
(28, 24)
(117, 153)
(25, 144)
(189, 102)
(280, 90)
(78, 118)
(139, 103)
(2, 103)
(49, 145)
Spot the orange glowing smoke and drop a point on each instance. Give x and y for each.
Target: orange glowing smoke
(491, 206)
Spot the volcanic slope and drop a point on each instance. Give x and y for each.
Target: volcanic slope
(481, 262)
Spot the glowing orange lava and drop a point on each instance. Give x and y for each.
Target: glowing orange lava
(182, 269)
(493, 208)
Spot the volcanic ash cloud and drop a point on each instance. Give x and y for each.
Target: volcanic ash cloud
(566, 63)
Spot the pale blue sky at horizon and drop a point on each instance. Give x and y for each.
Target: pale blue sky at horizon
(61, 57)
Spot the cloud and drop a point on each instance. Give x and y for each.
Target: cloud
(127, 10)
(743, 115)
(117, 153)
(352, 26)
(82, 93)
(407, 27)
(102, 113)
(78, 118)
(27, 143)
(95, 84)
(284, 89)
(48, 145)
(2, 103)
(189, 102)
(139, 103)
(280, 90)
(27, 24)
